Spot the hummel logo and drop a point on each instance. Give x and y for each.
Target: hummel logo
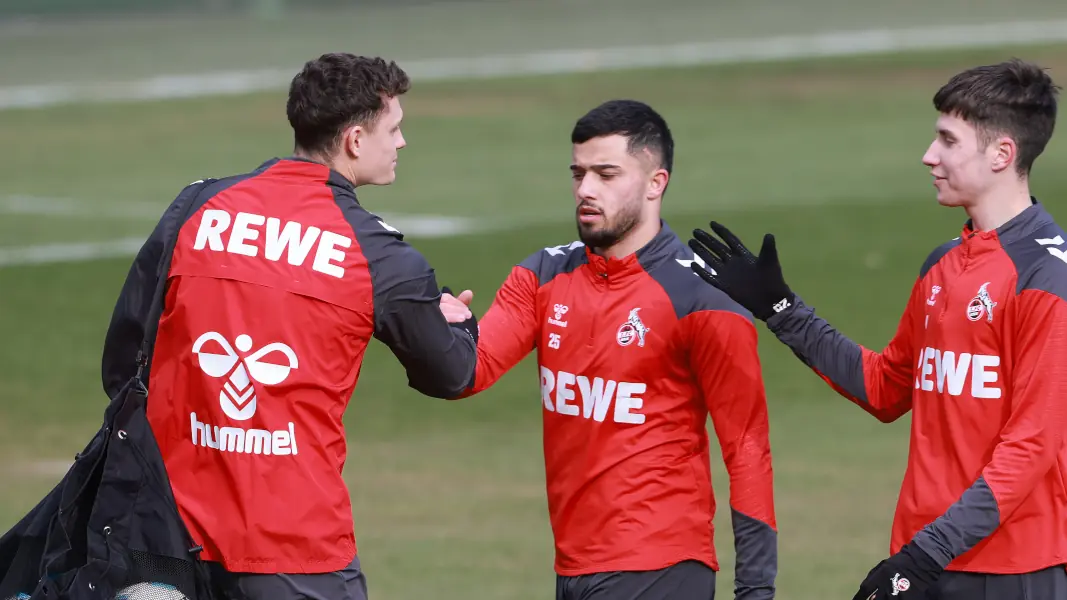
(238, 397)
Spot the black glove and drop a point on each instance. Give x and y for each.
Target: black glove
(907, 575)
(754, 283)
(470, 326)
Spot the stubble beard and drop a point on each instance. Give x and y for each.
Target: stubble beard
(613, 230)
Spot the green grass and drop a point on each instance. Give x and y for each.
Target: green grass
(448, 497)
(116, 47)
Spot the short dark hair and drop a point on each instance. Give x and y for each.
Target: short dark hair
(638, 122)
(1014, 98)
(337, 90)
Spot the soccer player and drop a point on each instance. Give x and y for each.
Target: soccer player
(278, 281)
(978, 356)
(634, 352)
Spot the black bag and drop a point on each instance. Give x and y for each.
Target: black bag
(110, 529)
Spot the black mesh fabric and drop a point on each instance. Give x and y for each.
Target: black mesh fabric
(166, 576)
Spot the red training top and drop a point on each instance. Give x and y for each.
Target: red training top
(633, 355)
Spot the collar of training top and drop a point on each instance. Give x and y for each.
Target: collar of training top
(1018, 227)
(636, 262)
(305, 167)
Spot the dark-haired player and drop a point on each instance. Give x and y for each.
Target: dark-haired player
(634, 352)
(278, 281)
(980, 356)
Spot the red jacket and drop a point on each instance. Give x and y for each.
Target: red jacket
(979, 357)
(278, 281)
(633, 354)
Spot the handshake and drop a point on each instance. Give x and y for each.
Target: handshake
(457, 312)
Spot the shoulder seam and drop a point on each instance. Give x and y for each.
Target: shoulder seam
(937, 255)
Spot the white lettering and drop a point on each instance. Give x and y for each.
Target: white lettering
(231, 439)
(548, 382)
(565, 393)
(290, 239)
(241, 233)
(328, 251)
(956, 372)
(626, 400)
(244, 441)
(980, 376)
(597, 397)
(928, 368)
(212, 224)
(953, 371)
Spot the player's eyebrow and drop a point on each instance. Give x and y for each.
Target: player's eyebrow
(596, 167)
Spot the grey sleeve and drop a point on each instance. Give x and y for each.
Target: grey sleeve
(970, 520)
(821, 347)
(439, 359)
(756, 550)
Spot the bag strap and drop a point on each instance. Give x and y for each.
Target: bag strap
(155, 311)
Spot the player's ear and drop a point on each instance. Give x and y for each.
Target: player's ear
(658, 184)
(352, 139)
(1003, 152)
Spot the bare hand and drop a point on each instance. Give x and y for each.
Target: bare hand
(456, 309)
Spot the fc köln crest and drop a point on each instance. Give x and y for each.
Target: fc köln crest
(981, 305)
(632, 329)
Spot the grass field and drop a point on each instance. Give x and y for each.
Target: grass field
(449, 498)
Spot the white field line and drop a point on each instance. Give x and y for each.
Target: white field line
(27, 205)
(785, 47)
(413, 226)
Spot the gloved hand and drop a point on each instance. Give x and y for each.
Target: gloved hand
(755, 283)
(468, 325)
(907, 575)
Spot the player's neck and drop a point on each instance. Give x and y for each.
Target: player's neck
(999, 206)
(637, 238)
(347, 170)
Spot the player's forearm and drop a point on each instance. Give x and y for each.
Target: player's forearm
(756, 564)
(752, 513)
(1016, 467)
(966, 523)
(506, 332)
(841, 362)
(439, 359)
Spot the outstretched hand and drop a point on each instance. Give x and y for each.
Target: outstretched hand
(457, 312)
(456, 309)
(754, 282)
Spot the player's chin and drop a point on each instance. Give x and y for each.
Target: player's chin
(386, 178)
(950, 200)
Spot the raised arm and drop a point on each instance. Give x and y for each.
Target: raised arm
(879, 382)
(508, 330)
(439, 359)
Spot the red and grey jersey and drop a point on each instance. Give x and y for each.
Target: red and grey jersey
(633, 354)
(278, 281)
(979, 357)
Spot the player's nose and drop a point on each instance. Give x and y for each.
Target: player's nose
(930, 158)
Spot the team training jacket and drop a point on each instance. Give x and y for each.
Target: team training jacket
(979, 357)
(278, 281)
(633, 355)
